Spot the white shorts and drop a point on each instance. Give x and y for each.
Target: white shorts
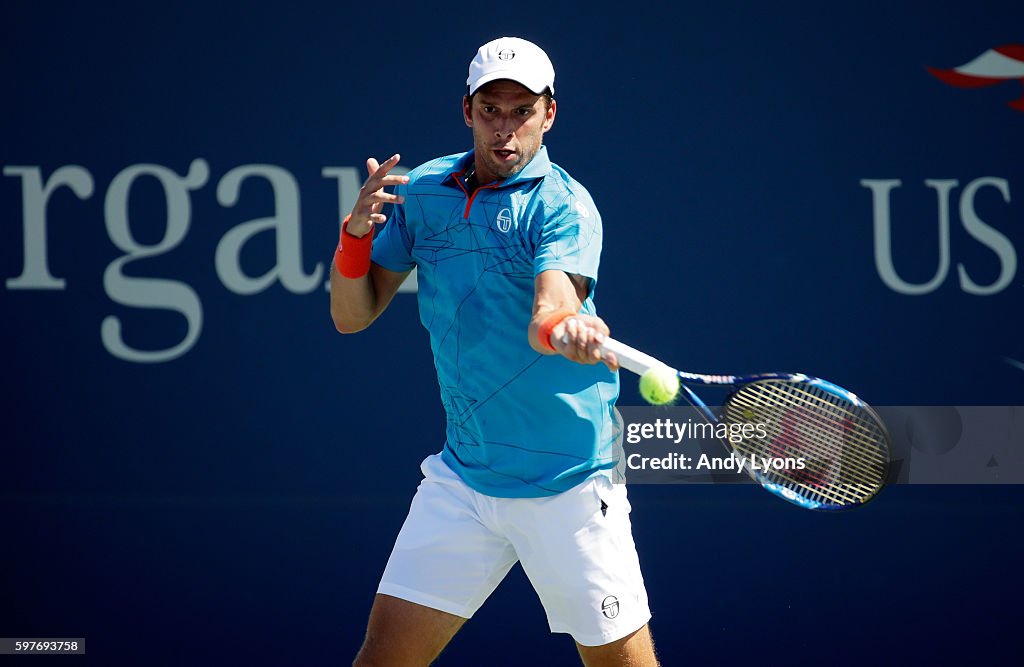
(576, 548)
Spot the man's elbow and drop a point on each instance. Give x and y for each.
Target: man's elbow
(346, 324)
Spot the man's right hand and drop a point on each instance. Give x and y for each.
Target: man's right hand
(372, 197)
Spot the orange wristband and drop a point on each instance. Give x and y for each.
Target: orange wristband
(549, 324)
(353, 254)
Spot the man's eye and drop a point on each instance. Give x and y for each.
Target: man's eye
(488, 109)
(525, 111)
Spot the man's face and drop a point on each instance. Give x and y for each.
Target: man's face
(508, 124)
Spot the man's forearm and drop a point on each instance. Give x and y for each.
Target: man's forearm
(353, 302)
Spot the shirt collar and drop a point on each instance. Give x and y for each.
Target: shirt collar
(539, 167)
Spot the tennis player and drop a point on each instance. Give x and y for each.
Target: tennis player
(507, 247)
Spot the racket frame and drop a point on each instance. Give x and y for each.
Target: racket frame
(639, 362)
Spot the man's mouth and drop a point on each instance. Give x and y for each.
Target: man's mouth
(504, 154)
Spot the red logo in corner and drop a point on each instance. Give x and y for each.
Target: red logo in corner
(1004, 63)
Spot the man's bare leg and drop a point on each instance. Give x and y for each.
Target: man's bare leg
(405, 634)
(634, 650)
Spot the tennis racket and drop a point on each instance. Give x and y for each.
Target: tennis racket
(842, 442)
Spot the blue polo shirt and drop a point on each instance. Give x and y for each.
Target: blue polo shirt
(519, 424)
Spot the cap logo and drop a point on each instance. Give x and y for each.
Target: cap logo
(506, 54)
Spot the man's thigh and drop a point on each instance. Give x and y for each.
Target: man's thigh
(445, 556)
(577, 550)
(405, 634)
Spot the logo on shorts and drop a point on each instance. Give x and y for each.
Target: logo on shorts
(505, 220)
(610, 606)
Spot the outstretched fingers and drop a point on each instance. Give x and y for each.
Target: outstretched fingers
(373, 197)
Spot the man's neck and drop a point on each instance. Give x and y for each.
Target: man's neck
(472, 177)
(472, 183)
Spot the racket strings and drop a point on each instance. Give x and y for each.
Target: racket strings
(828, 474)
(842, 445)
(830, 463)
(821, 428)
(812, 420)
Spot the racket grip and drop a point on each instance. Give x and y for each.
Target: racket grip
(631, 358)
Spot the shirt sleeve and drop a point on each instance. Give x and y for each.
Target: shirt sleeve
(392, 245)
(570, 240)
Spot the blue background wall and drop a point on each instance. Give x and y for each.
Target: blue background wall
(236, 504)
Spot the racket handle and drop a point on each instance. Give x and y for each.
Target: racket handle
(631, 358)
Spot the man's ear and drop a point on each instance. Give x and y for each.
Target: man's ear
(467, 106)
(549, 119)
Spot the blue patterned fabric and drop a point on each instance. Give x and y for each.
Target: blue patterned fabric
(520, 424)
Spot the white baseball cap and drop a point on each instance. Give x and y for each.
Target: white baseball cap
(515, 59)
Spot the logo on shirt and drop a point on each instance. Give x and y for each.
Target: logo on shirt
(504, 220)
(610, 606)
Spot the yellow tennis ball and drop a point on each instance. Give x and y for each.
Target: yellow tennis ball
(659, 385)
